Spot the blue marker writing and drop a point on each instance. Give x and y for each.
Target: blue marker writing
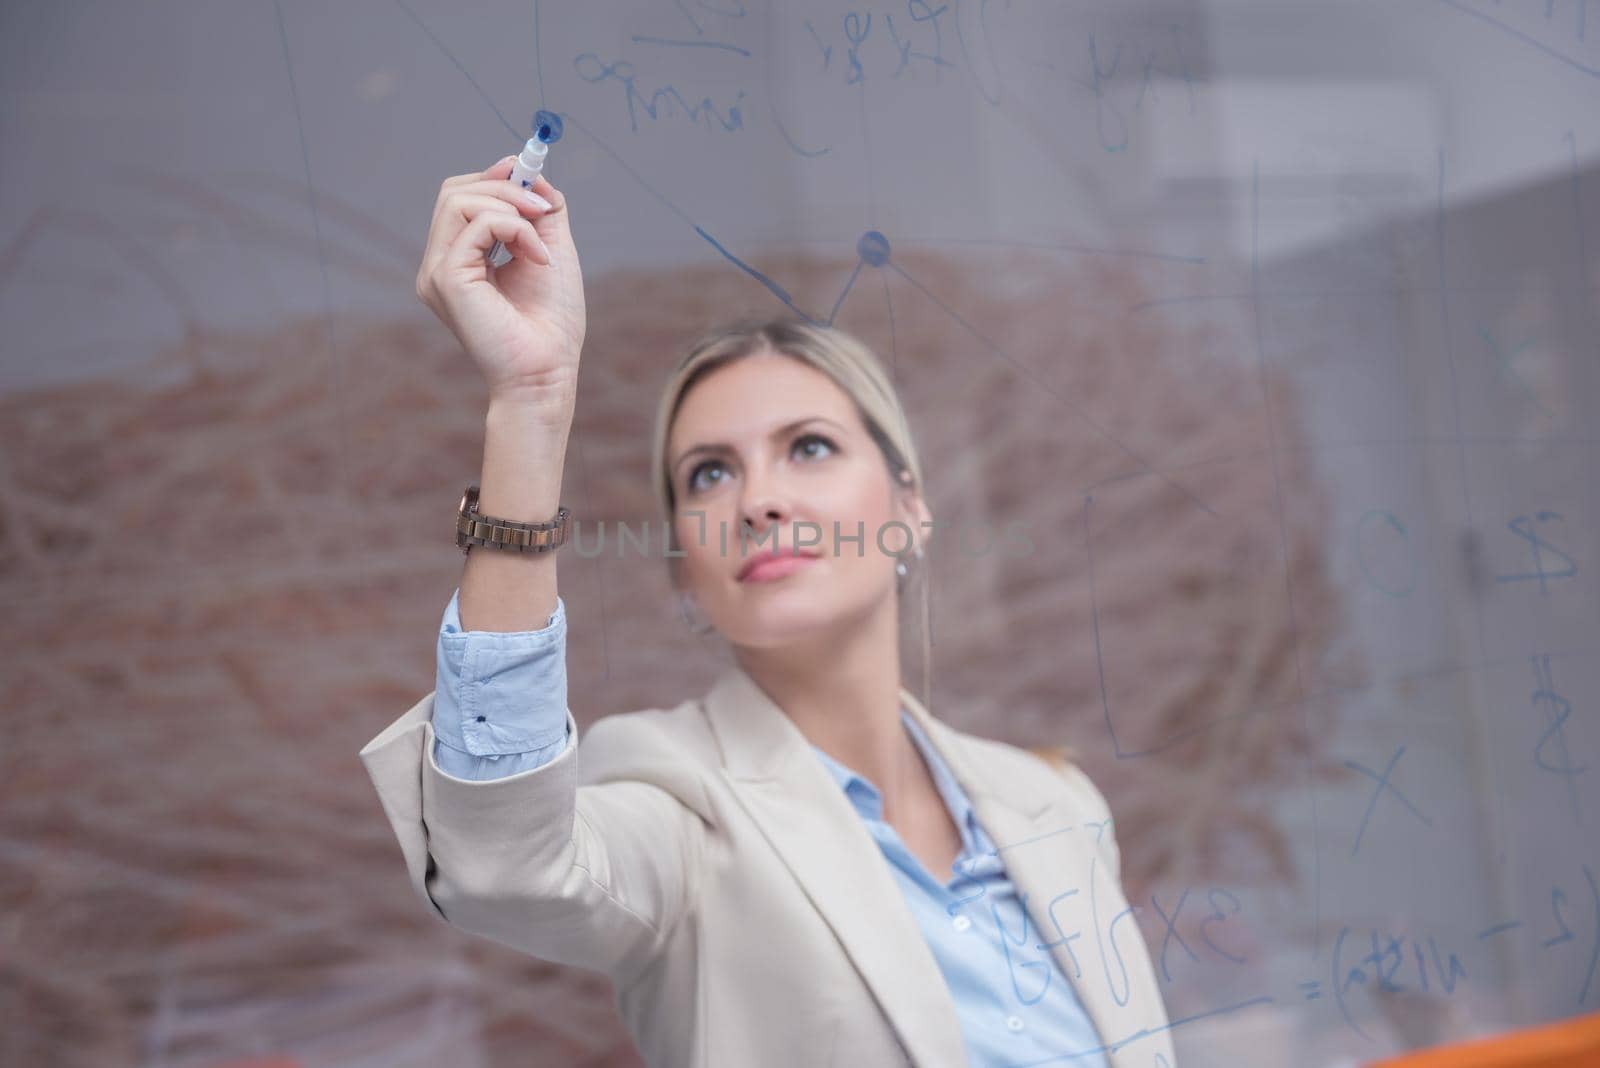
(525, 171)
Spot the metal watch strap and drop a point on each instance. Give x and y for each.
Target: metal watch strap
(492, 532)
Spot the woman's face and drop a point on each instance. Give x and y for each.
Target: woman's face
(771, 441)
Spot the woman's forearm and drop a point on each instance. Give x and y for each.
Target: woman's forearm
(524, 451)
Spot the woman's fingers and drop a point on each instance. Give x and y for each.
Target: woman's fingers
(542, 186)
(454, 212)
(461, 206)
(526, 201)
(478, 237)
(464, 204)
(455, 206)
(473, 211)
(499, 171)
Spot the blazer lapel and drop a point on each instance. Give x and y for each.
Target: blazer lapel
(1050, 850)
(810, 823)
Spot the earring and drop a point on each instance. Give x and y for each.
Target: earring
(901, 570)
(686, 609)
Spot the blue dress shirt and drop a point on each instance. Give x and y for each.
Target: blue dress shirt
(500, 707)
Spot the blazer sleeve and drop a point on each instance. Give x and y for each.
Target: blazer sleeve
(592, 875)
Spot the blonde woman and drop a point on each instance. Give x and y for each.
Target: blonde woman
(803, 866)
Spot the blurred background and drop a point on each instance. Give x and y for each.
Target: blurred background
(1276, 323)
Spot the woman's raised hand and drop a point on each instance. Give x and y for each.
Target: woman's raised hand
(523, 324)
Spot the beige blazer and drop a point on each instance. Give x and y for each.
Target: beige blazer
(703, 859)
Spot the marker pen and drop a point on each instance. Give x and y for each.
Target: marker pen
(524, 171)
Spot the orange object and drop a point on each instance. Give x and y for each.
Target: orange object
(1572, 1043)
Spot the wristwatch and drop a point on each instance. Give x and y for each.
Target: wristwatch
(474, 528)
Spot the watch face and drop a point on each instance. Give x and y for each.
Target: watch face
(468, 502)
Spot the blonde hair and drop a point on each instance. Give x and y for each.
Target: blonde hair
(854, 368)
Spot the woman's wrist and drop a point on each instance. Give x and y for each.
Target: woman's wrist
(545, 408)
(524, 454)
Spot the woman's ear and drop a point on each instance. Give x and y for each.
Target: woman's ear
(921, 519)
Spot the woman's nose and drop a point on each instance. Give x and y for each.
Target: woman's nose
(761, 505)
(762, 513)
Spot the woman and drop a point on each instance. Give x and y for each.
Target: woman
(803, 866)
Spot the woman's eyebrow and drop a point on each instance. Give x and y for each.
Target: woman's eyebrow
(722, 446)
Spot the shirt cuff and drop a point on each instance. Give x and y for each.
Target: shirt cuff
(464, 766)
(500, 692)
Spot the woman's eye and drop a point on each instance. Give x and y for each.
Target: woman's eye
(694, 476)
(816, 438)
(716, 465)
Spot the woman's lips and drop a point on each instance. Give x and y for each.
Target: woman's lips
(777, 567)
